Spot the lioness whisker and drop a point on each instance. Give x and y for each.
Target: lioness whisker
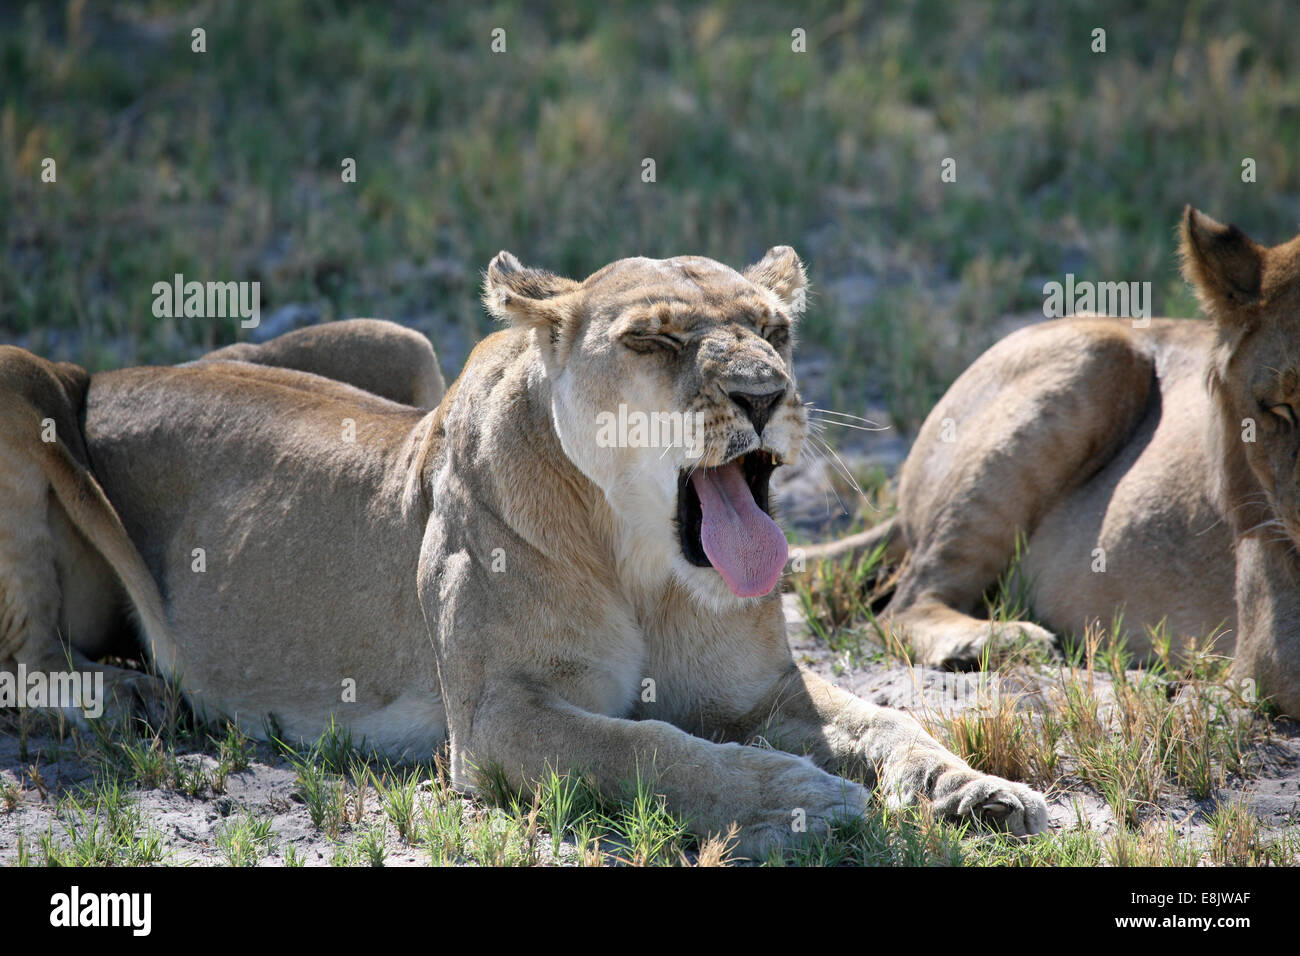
(876, 426)
(843, 468)
(861, 428)
(1270, 523)
(820, 457)
(1257, 498)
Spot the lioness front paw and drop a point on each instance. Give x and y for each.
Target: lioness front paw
(998, 804)
(799, 801)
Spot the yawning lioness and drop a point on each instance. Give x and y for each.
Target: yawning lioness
(487, 572)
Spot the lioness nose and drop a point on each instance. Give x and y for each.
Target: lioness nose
(757, 406)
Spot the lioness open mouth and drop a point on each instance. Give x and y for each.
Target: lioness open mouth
(724, 523)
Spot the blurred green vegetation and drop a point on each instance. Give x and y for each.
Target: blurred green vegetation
(226, 164)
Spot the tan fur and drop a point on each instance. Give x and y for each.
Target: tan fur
(60, 535)
(384, 358)
(1091, 433)
(489, 574)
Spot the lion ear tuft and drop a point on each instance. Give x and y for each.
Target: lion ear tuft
(513, 292)
(1222, 263)
(781, 272)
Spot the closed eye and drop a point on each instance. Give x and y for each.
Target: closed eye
(778, 336)
(645, 341)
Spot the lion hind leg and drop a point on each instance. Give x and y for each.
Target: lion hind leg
(1033, 417)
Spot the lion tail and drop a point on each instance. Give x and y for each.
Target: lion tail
(54, 395)
(90, 510)
(888, 534)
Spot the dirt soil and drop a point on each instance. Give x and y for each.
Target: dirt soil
(190, 825)
(1272, 794)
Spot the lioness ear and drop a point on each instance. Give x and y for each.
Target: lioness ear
(1223, 264)
(781, 272)
(525, 296)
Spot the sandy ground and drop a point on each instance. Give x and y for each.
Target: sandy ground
(190, 825)
(1273, 794)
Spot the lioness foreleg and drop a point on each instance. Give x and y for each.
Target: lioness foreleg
(888, 748)
(525, 730)
(1268, 649)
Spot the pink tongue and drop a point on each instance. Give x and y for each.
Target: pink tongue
(742, 542)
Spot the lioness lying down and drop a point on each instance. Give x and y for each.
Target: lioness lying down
(1154, 470)
(495, 572)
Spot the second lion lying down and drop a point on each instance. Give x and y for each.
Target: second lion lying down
(1154, 470)
(489, 572)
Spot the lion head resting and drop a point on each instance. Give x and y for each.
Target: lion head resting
(1252, 293)
(672, 390)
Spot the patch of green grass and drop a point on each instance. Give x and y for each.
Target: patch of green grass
(1172, 725)
(397, 794)
(324, 794)
(443, 832)
(634, 828)
(372, 848)
(1155, 843)
(190, 777)
(23, 852)
(245, 841)
(500, 838)
(1238, 839)
(1008, 599)
(565, 805)
(908, 837)
(1078, 846)
(324, 770)
(102, 826)
(234, 752)
(145, 760)
(345, 855)
(838, 599)
(226, 164)
(11, 794)
(137, 754)
(650, 833)
(335, 750)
